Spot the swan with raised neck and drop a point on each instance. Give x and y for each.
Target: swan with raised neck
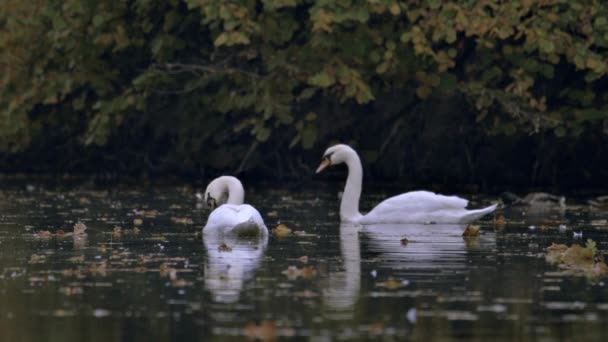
(410, 207)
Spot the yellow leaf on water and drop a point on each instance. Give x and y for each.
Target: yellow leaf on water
(182, 220)
(281, 230)
(392, 284)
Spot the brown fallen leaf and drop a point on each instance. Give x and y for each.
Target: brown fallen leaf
(79, 228)
(404, 242)
(499, 221)
(147, 213)
(37, 259)
(390, 284)
(471, 230)
(293, 272)
(182, 220)
(266, 331)
(281, 230)
(117, 232)
(44, 234)
(224, 248)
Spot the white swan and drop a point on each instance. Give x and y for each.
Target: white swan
(231, 216)
(410, 207)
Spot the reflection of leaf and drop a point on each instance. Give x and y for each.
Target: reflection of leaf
(471, 230)
(224, 248)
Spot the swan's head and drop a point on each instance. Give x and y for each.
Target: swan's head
(334, 155)
(215, 194)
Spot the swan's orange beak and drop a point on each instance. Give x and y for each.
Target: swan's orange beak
(324, 163)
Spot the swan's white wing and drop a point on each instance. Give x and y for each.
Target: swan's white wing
(233, 218)
(423, 207)
(419, 201)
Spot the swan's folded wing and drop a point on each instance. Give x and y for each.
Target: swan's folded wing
(418, 201)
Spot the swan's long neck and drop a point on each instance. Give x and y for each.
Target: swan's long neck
(349, 207)
(234, 188)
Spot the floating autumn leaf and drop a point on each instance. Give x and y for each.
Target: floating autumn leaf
(577, 260)
(182, 220)
(117, 232)
(281, 230)
(84, 200)
(165, 270)
(79, 228)
(147, 213)
(37, 259)
(44, 234)
(293, 272)
(98, 269)
(71, 290)
(499, 221)
(392, 284)
(138, 222)
(77, 259)
(471, 230)
(266, 331)
(224, 248)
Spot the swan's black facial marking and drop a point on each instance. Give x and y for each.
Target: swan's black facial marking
(327, 157)
(211, 202)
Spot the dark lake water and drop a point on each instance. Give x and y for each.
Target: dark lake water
(142, 272)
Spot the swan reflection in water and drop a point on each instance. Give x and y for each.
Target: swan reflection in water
(231, 261)
(428, 247)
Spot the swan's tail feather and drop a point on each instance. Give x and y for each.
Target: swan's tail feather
(473, 215)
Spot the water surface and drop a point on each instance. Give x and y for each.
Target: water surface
(142, 272)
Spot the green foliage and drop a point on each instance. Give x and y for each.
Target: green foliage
(204, 74)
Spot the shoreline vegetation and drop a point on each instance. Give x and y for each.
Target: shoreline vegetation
(480, 95)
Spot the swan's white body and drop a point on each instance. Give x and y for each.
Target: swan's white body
(233, 217)
(410, 207)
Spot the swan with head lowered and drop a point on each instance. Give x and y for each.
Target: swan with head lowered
(410, 207)
(225, 196)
